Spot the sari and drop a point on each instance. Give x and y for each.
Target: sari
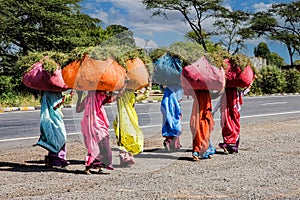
(52, 129)
(230, 119)
(171, 112)
(94, 127)
(130, 137)
(201, 124)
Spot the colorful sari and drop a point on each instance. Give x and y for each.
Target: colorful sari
(130, 137)
(201, 124)
(230, 119)
(94, 127)
(53, 133)
(171, 112)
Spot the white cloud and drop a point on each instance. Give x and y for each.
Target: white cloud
(132, 14)
(259, 7)
(142, 43)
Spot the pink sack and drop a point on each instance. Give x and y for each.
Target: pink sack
(39, 79)
(236, 77)
(201, 75)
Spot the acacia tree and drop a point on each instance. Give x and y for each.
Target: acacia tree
(195, 12)
(282, 23)
(231, 26)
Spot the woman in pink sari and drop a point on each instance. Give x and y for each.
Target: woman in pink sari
(94, 127)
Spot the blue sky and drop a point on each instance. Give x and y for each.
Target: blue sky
(158, 31)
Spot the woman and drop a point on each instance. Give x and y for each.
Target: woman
(201, 125)
(129, 136)
(94, 127)
(230, 105)
(53, 133)
(171, 111)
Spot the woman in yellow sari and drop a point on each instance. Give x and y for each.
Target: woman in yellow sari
(130, 137)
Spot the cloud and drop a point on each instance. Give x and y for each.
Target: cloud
(259, 7)
(142, 43)
(133, 14)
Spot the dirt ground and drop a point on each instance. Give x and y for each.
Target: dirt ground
(266, 167)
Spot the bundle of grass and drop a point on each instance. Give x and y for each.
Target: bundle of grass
(138, 66)
(42, 70)
(189, 52)
(239, 71)
(202, 75)
(96, 68)
(167, 66)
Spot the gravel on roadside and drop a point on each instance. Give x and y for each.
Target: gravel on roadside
(266, 167)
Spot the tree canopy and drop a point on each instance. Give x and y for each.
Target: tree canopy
(231, 26)
(37, 25)
(281, 22)
(195, 12)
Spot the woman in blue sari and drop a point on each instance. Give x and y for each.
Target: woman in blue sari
(53, 132)
(171, 111)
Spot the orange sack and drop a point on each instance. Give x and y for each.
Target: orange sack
(92, 74)
(137, 73)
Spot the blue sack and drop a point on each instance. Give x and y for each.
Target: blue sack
(167, 70)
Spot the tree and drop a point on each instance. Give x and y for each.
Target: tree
(117, 35)
(262, 50)
(274, 59)
(231, 26)
(195, 12)
(282, 23)
(37, 25)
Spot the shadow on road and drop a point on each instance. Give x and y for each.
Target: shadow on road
(37, 166)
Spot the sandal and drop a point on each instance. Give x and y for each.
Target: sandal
(167, 146)
(196, 156)
(87, 170)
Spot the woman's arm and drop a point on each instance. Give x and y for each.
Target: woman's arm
(80, 104)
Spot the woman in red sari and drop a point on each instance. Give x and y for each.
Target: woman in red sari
(230, 105)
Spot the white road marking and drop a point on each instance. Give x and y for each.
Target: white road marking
(274, 103)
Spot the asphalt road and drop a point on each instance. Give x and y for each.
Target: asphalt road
(21, 128)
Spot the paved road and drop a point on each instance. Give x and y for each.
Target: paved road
(19, 129)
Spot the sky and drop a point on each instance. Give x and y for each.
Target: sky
(153, 32)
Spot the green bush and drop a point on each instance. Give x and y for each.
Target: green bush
(10, 99)
(271, 80)
(7, 84)
(292, 77)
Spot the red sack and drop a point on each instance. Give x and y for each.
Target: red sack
(201, 75)
(236, 77)
(39, 79)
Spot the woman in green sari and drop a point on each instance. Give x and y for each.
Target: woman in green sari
(130, 137)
